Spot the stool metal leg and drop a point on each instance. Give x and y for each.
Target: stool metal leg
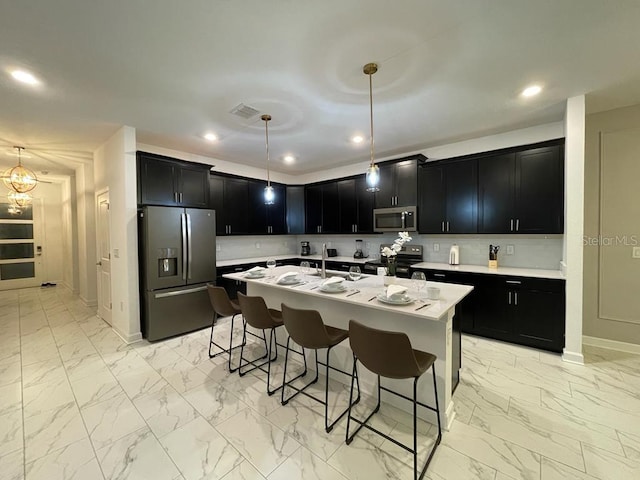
(283, 400)
(222, 349)
(252, 362)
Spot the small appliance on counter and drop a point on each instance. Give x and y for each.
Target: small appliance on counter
(332, 252)
(493, 256)
(305, 249)
(359, 253)
(454, 255)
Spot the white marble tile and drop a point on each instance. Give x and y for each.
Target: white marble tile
(10, 372)
(12, 466)
(111, 420)
(630, 444)
(10, 398)
(490, 450)
(532, 377)
(195, 352)
(43, 372)
(100, 387)
(182, 375)
(82, 367)
(165, 410)
(503, 385)
(80, 348)
(307, 428)
(214, 402)
(10, 353)
(244, 471)
(45, 397)
(122, 361)
(157, 355)
(545, 442)
(591, 412)
(141, 381)
(11, 434)
(137, 456)
(38, 353)
(73, 462)
(303, 464)
(362, 460)
(253, 391)
(448, 464)
(52, 430)
(577, 428)
(200, 451)
(258, 440)
(603, 464)
(619, 399)
(552, 470)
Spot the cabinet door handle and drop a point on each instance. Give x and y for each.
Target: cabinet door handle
(447, 226)
(355, 229)
(443, 225)
(517, 224)
(509, 298)
(511, 226)
(514, 282)
(440, 275)
(180, 197)
(515, 296)
(229, 229)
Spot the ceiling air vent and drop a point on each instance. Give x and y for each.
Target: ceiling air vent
(244, 111)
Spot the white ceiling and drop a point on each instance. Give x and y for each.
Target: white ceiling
(449, 70)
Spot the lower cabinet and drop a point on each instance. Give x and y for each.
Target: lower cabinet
(523, 310)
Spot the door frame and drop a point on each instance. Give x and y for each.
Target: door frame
(103, 313)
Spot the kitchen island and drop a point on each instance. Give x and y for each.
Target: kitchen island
(428, 323)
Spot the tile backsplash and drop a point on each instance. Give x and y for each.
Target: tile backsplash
(529, 251)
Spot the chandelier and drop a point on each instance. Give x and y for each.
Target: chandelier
(19, 178)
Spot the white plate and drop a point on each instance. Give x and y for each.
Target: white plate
(289, 281)
(254, 275)
(339, 289)
(403, 301)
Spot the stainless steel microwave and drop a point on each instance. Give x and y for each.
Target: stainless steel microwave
(395, 219)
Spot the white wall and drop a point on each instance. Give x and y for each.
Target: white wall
(574, 226)
(85, 202)
(115, 170)
(69, 240)
(52, 243)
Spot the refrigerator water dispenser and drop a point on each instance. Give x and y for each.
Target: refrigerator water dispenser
(167, 262)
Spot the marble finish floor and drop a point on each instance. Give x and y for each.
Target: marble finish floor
(78, 403)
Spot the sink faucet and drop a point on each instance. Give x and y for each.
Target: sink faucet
(323, 274)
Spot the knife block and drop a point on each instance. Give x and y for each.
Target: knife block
(493, 263)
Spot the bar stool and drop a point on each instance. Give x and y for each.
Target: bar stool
(257, 315)
(307, 329)
(389, 354)
(224, 307)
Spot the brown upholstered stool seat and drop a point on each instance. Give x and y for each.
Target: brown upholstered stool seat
(258, 316)
(390, 355)
(306, 328)
(224, 307)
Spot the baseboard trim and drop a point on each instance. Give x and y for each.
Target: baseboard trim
(130, 338)
(88, 303)
(572, 357)
(611, 344)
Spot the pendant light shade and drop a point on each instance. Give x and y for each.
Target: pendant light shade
(19, 178)
(269, 193)
(373, 172)
(19, 199)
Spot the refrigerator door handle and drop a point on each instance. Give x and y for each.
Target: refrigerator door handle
(190, 250)
(183, 221)
(180, 292)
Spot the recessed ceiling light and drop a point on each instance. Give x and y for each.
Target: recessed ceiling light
(25, 77)
(212, 137)
(289, 159)
(357, 139)
(531, 91)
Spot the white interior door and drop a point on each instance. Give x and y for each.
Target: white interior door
(104, 258)
(21, 251)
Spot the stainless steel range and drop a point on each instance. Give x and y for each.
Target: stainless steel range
(409, 255)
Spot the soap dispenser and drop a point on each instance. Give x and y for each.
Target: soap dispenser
(454, 255)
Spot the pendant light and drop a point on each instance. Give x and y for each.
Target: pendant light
(269, 193)
(373, 172)
(19, 199)
(19, 178)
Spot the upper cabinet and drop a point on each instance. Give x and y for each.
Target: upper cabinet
(295, 209)
(356, 206)
(398, 183)
(267, 219)
(522, 192)
(170, 182)
(447, 199)
(230, 200)
(322, 208)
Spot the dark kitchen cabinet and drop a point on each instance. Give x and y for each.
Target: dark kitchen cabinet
(170, 182)
(266, 219)
(295, 209)
(232, 286)
(398, 185)
(539, 318)
(522, 192)
(230, 200)
(356, 206)
(322, 208)
(447, 200)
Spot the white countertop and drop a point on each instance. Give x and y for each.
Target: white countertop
(313, 258)
(511, 271)
(364, 291)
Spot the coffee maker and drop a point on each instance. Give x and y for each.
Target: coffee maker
(305, 249)
(359, 253)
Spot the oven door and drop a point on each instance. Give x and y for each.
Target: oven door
(395, 219)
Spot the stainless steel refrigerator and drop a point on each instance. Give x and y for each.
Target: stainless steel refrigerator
(177, 260)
